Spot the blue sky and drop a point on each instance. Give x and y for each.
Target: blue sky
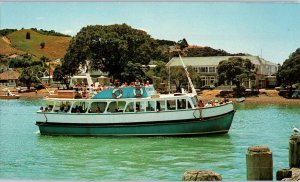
(268, 29)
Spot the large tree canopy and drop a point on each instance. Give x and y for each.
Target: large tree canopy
(289, 73)
(235, 70)
(110, 48)
(31, 75)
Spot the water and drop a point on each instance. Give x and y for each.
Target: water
(25, 154)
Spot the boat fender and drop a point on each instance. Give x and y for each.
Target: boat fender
(140, 89)
(114, 93)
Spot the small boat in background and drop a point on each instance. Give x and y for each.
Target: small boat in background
(9, 95)
(241, 99)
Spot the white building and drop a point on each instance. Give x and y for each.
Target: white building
(207, 67)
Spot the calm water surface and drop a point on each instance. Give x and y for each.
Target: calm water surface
(25, 154)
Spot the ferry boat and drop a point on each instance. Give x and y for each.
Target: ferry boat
(134, 111)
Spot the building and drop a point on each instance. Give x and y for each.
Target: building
(9, 78)
(207, 67)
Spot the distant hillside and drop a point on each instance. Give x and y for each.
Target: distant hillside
(6, 48)
(55, 46)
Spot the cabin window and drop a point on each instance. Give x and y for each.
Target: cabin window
(121, 106)
(140, 106)
(113, 107)
(97, 107)
(79, 107)
(171, 104)
(62, 106)
(181, 104)
(150, 106)
(130, 107)
(161, 105)
(189, 105)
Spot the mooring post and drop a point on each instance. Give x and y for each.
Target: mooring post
(294, 151)
(201, 175)
(283, 173)
(259, 163)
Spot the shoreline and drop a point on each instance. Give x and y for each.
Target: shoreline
(266, 97)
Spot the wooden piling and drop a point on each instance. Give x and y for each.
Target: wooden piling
(259, 163)
(294, 151)
(201, 175)
(283, 173)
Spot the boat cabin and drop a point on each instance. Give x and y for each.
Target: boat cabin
(134, 105)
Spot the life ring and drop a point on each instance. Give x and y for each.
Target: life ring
(140, 89)
(114, 93)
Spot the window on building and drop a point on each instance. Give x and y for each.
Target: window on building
(212, 69)
(204, 80)
(203, 69)
(212, 80)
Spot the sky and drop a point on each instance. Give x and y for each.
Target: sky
(269, 30)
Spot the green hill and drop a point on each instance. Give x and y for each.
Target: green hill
(55, 46)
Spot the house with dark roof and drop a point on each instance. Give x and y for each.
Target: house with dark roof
(207, 67)
(9, 78)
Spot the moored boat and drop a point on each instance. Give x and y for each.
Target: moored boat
(8, 95)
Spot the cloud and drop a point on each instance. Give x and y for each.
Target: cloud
(40, 18)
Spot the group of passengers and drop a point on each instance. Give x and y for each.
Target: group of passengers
(213, 103)
(82, 90)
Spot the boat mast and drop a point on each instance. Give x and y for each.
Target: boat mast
(188, 76)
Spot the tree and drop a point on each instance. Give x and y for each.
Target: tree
(289, 73)
(109, 48)
(182, 43)
(42, 44)
(178, 76)
(235, 70)
(59, 75)
(28, 35)
(30, 75)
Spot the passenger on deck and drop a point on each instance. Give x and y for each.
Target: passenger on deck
(98, 110)
(217, 103)
(147, 83)
(208, 104)
(200, 103)
(137, 83)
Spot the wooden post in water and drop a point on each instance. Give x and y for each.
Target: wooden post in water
(283, 173)
(259, 163)
(201, 175)
(294, 151)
